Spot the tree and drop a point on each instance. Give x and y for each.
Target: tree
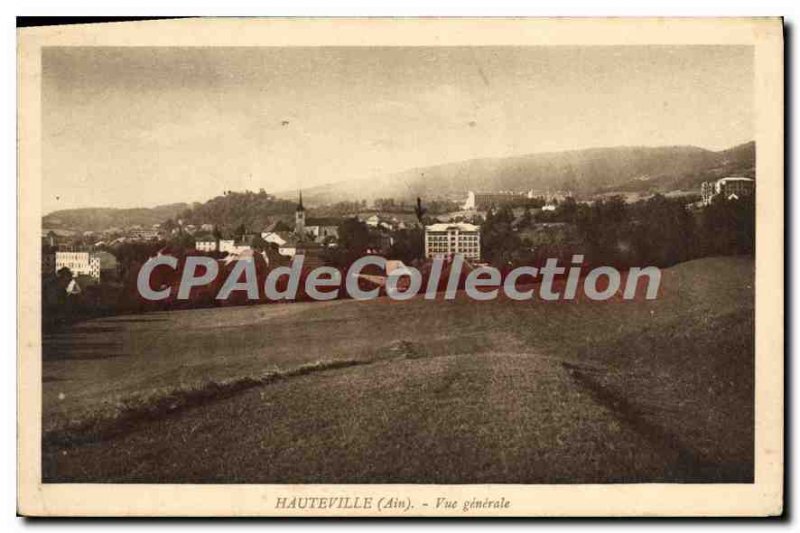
(605, 230)
(169, 225)
(526, 220)
(217, 234)
(354, 239)
(258, 243)
(419, 210)
(663, 232)
(253, 209)
(354, 236)
(239, 232)
(64, 275)
(728, 227)
(131, 255)
(384, 204)
(568, 210)
(499, 243)
(181, 241)
(408, 245)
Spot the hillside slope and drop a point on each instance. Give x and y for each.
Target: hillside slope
(582, 171)
(381, 391)
(254, 210)
(100, 218)
(596, 170)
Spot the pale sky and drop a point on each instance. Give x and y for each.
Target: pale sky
(128, 127)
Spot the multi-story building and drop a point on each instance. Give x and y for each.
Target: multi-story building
(484, 200)
(227, 246)
(79, 263)
(210, 245)
(91, 264)
(480, 201)
(446, 240)
(730, 188)
(707, 192)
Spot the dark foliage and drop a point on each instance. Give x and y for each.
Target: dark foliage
(354, 240)
(234, 211)
(409, 245)
(659, 231)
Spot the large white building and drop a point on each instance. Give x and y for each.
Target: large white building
(485, 200)
(446, 240)
(90, 264)
(210, 245)
(481, 201)
(323, 229)
(206, 245)
(730, 188)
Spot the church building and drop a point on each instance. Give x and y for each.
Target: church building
(300, 219)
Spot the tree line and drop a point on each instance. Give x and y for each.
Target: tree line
(659, 231)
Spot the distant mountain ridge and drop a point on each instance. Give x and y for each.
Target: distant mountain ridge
(101, 218)
(588, 171)
(584, 172)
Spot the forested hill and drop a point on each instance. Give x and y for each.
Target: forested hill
(101, 218)
(595, 170)
(585, 172)
(253, 210)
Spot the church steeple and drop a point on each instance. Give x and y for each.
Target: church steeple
(300, 218)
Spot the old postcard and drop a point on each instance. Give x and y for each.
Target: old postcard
(401, 267)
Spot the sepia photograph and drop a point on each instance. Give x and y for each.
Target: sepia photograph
(426, 253)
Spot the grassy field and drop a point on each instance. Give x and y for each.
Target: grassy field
(417, 391)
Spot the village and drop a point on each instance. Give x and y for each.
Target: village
(419, 265)
(410, 235)
(92, 261)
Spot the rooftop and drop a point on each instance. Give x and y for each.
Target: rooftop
(460, 226)
(734, 178)
(323, 221)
